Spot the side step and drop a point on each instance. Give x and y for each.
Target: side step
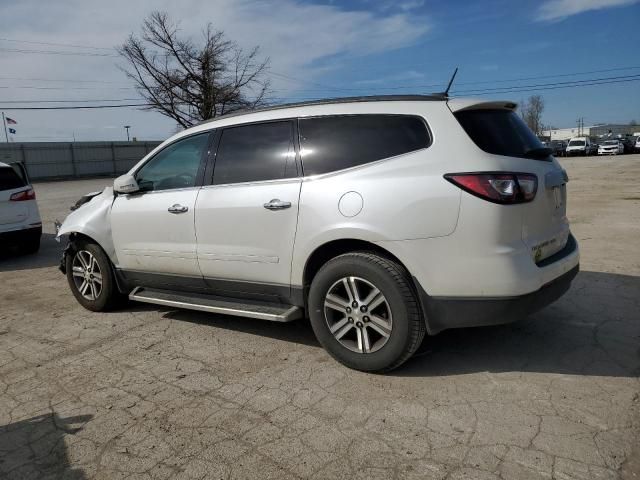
(213, 304)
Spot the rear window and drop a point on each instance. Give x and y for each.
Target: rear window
(337, 142)
(9, 179)
(576, 143)
(500, 132)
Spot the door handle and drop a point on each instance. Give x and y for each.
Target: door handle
(177, 208)
(277, 204)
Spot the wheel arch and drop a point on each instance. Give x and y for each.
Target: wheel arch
(325, 252)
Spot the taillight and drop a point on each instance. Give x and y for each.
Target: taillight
(500, 187)
(24, 195)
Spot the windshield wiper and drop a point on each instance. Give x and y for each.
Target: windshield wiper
(541, 152)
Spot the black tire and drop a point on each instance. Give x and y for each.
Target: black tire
(108, 296)
(393, 281)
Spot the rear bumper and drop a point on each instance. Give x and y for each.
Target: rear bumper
(18, 236)
(460, 312)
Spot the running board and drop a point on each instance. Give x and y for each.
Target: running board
(212, 304)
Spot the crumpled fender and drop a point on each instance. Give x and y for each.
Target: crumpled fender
(93, 219)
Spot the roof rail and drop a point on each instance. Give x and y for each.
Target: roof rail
(329, 101)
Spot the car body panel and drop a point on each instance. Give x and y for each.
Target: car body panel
(240, 239)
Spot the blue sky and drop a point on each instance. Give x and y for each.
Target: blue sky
(327, 48)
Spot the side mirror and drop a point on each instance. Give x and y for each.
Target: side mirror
(125, 184)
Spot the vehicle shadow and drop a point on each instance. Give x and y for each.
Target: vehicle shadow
(11, 259)
(35, 448)
(298, 331)
(593, 330)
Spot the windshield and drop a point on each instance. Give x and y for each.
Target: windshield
(501, 132)
(576, 143)
(9, 179)
(611, 142)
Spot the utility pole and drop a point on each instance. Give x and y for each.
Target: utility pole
(127, 127)
(4, 124)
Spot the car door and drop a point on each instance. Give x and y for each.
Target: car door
(246, 218)
(153, 229)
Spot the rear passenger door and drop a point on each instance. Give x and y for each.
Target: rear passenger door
(246, 218)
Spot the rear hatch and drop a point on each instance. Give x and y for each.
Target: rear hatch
(12, 180)
(497, 129)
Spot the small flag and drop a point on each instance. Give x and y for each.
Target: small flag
(12, 130)
(11, 121)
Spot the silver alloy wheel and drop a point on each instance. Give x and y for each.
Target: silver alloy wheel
(86, 273)
(358, 315)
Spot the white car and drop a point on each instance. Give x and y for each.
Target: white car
(379, 218)
(610, 147)
(20, 223)
(580, 146)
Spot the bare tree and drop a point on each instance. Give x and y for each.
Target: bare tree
(531, 112)
(188, 82)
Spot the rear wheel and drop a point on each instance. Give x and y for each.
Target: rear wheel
(364, 312)
(90, 277)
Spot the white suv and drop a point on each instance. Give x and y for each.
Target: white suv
(20, 223)
(378, 218)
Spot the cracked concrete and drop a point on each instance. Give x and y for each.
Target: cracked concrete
(152, 393)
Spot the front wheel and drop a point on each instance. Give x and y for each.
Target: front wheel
(90, 277)
(364, 312)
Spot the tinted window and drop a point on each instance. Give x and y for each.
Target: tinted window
(334, 143)
(501, 132)
(9, 179)
(176, 166)
(253, 153)
(576, 143)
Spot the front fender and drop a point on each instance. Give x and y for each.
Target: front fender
(93, 220)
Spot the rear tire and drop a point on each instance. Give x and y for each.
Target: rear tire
(374, 326)
(91, 278)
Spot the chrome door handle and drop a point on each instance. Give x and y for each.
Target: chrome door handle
(177, 208)
(277, 204)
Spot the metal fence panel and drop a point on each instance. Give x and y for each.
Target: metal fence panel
(50, 160)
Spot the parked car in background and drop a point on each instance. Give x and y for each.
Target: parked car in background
(628, 144)
(611, 147)
(345, 211)
(636, 147)
(559, 147)
(580, 146)
(20, 223)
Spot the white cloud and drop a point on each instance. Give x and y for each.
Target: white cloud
(552, 10)
(300, 39)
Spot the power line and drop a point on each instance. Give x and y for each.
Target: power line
(81, 107)
(76, 101)
(549, 84)
(488, 91)
(57, 52)
(55, 44)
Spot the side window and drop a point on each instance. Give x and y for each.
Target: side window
(252, 153)
(176, 166)
(337, 142)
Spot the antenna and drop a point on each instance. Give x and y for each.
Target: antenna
(446, 92)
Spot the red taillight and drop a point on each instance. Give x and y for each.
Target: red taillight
(500, 187)
(24, 195)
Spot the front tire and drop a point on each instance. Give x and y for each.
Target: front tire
(91, 278)
(364, 312)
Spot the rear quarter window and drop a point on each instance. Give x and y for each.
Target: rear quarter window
(9, 179)
(498, 131)
(337, 142)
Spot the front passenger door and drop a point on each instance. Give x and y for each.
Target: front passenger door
(153, 230)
